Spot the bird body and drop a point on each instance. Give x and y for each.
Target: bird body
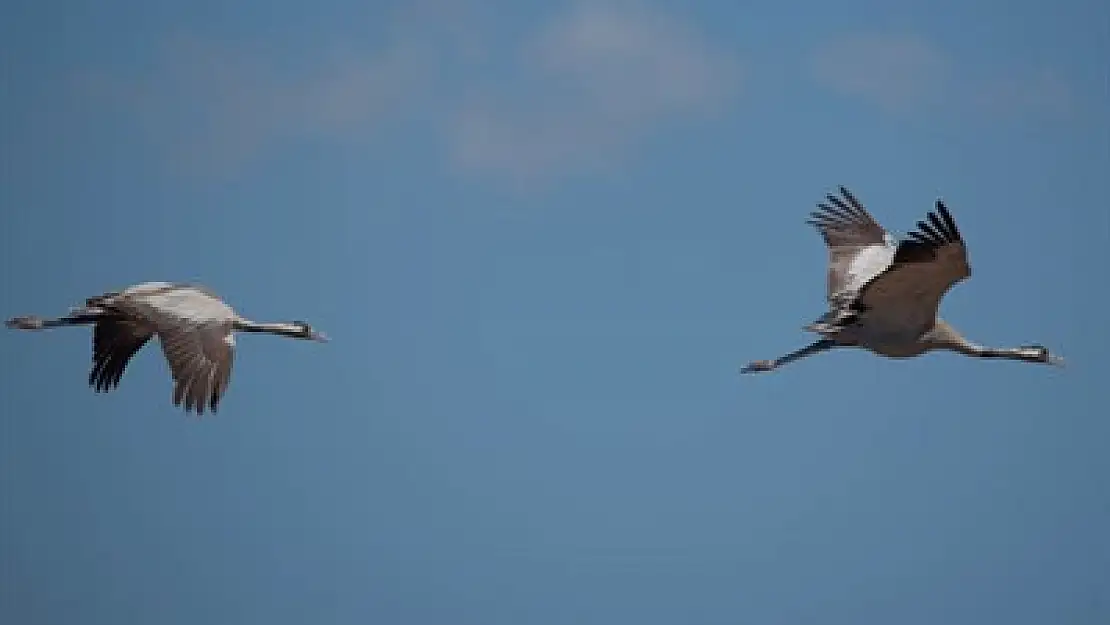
(155, 300)
(194, 326)
(884, 295)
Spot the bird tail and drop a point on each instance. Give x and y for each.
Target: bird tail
(832, 321)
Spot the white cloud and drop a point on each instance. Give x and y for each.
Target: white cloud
(216, 106)
(896, 72)
(903, 73)
(573, 95)
(595, 80)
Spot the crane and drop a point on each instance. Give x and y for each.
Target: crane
(194, 326)
(884, 294)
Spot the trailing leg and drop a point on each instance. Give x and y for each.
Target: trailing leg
(768, 365)
(78, 317)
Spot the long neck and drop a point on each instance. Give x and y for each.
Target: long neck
(76, 318)
(980, 351)
(279, 328)
(944, 336)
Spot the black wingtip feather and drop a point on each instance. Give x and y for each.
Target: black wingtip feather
(848, 195)
(942, 210)
(939, 227)
(914, 251)
(845, 208)
(932, 233)
(937, 230)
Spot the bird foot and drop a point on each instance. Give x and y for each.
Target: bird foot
(25, 323)
(758, 366)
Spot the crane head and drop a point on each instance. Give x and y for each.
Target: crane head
(1040, 353)
(305, 331)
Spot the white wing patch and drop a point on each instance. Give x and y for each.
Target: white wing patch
(868, 262)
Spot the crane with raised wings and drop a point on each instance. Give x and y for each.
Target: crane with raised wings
(884, 294)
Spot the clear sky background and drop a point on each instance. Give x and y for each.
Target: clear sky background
(544, 236)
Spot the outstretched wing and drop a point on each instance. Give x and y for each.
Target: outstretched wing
(115, 341)
(859, 248)
(200, 358)
(926, 265)
(194, 327)
(167, 304)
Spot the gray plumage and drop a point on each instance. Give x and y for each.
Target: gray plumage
(859, 248)
(884, 295)
(194, 326)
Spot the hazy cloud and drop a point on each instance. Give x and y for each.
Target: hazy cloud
(214, 105)
(576, 93)
(896, 72)
(901, 73)
(571, 95)
(592, 82)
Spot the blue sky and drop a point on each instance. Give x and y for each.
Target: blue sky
(544, 236)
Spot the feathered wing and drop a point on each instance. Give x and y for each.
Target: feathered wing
(194, 327)
(926, 265)
(200, 359)
(115, 341)
(859, 248)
